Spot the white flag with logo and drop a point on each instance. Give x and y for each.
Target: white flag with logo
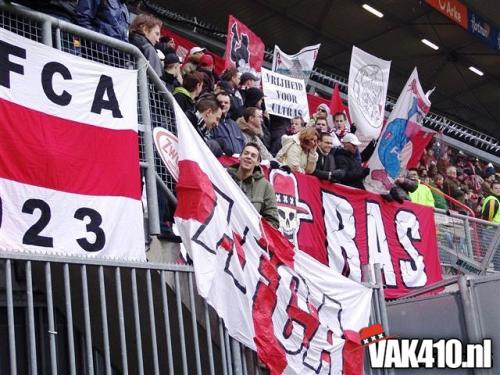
(368, 81)
(273, 298)
(299, 65)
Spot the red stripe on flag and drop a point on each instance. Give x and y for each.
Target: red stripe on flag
(59, 154)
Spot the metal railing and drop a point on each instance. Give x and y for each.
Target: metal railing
(69, 316)
(467, 243)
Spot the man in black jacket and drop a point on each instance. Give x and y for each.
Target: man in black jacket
(345, 159)
(326, 168)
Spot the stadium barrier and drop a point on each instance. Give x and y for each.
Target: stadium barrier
(465, 311)
(79, 316)
(90, 316)
(467, 243)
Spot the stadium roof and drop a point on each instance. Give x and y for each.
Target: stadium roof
(339, 24)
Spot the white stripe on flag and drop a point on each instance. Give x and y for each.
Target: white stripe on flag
(27, 87)
(55, 212)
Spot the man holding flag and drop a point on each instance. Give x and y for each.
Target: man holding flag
(394, 147)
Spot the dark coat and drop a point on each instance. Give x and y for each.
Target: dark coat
(205, 133)
(149, 52)
(183, 98)
(354, 172)
(170, 81)
(325, 165)
(109, 17)
(230, 133)
(64, 10)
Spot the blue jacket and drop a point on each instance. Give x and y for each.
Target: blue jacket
(109, 17)
(229, 131)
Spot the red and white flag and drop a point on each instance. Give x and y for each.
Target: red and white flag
(337, 106)
(69, 167)
(395, 146)
(273, 298)
(244, 49)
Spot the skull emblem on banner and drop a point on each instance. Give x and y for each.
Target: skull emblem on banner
(290, 209)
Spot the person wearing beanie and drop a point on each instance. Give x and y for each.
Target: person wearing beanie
(254, 97)
(247, 80)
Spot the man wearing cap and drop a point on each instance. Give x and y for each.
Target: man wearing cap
(346, 160)
(249, 177)
(192, 60)
(172, 75)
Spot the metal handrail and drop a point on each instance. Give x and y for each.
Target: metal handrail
(451, 199)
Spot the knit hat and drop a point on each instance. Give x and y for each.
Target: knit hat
(252, 96)
(247, 76)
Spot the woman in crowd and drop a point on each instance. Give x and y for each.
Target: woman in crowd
(299, 151)
(145, 34)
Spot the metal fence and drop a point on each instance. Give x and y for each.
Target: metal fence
(467, 243)
(69, 316)
(63, 316)
(466, 310)
(99, 317)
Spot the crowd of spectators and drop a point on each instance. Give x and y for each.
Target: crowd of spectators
(229, 111)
